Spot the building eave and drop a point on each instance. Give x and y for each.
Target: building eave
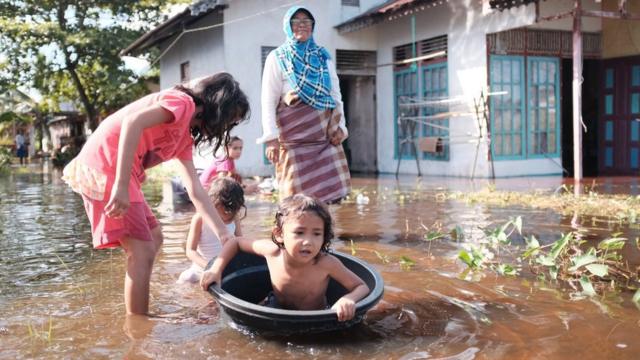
(173, 25)
(394, 8)
(382, 12)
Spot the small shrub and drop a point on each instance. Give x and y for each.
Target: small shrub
(60, 158)
(5, 159)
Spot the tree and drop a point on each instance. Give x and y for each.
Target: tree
(68, 50)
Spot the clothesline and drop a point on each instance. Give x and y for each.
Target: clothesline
(410, 102)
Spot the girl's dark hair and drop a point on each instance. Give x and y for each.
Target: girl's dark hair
(224, 105)
(232, 139)
(295, 206)
(228, 193)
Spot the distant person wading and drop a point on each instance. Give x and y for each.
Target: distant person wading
(302, 114)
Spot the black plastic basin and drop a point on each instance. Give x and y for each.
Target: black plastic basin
(245, 282)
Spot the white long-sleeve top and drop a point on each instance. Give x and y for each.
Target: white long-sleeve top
(275, 85)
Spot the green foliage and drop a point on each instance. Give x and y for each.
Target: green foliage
(69, 50)
(589, 270)
(406, 263)
(5, 159)
(62, 157)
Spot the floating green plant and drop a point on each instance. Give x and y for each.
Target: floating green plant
(406, 263)
(588, 270)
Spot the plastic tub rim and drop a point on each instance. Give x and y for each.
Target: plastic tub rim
(241, 305)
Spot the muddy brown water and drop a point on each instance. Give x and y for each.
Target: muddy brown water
(60, 299)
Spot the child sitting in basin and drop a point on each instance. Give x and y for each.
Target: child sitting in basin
(299, 263)
(227, 196)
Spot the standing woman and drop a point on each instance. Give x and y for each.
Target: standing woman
(302, 114)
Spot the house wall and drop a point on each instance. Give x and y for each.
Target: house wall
(242, 51)
(203, 49)
(237, 49)
(466, 25)
(620, 37)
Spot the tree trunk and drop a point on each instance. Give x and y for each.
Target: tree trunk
(71, 68)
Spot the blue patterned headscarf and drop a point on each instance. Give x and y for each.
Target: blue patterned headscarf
(305, 66)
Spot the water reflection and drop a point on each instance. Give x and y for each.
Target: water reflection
(61, 299)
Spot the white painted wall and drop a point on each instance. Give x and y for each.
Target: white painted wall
(243, 41)
(466, 27)
(236, 49)
(203, 49)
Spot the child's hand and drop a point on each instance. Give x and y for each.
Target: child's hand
(345, 308)
(209, 277)
(225, 238)
(118, 202)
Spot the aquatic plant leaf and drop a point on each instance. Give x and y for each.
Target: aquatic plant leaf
(533, 246)
(598, 269)
(457, 233)
(582, 260)
(383, 257)
(530, 252)
(406, 263)
(587, 287)
(518, 224)
(553, 272)
(545, 260)
(614, 243)
(433, 235)
(560, 244)
(636, 298)
(506, 270)
(466, 258)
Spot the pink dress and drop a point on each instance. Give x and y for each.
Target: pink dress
(92, 173)
(226, 164)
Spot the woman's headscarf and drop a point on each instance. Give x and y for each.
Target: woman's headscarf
(305, 66)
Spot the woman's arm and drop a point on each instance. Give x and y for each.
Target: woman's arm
(130, 133)
(337, 97)
(193, 239)
(202, 202)
(270, 97)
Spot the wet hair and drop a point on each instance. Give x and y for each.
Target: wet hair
(295, 206)
(228, 193)
(224, 105)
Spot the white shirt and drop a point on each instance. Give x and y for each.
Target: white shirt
(275, 85)
(19, 140)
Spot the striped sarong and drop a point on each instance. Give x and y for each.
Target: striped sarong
(308, 163)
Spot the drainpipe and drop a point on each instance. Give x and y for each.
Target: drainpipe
(577, 95)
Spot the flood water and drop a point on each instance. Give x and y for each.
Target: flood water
(60, 299)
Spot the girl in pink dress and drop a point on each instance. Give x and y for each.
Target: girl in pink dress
(110, 169)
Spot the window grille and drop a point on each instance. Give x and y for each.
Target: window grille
(350, 2)
(185, 72)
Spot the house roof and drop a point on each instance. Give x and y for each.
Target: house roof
(380, 12)
(174, 25)
(508, 4)
(391, 8)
